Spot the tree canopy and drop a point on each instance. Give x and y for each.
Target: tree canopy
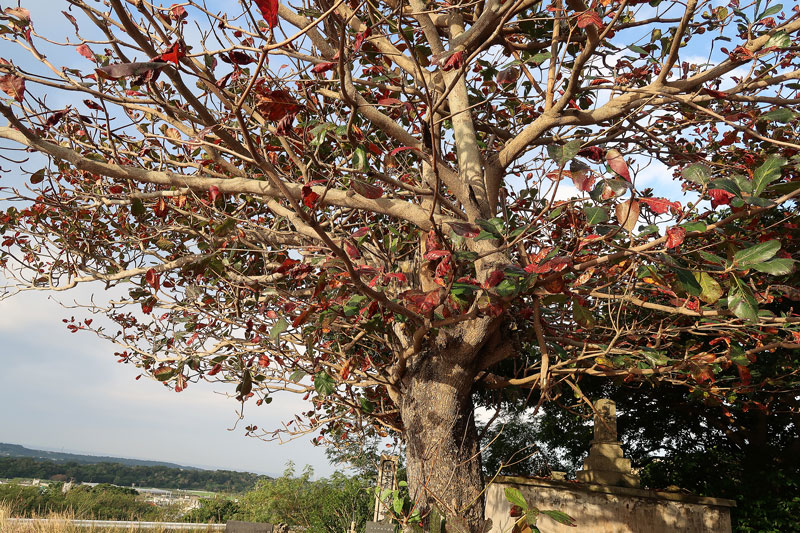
(396, 209)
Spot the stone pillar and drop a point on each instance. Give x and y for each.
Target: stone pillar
(605, 464)
(387, 480)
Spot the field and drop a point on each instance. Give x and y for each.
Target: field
(60, 523)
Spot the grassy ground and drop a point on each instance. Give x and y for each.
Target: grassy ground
(58, 523)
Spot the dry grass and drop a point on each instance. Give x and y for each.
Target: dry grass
(59, 523)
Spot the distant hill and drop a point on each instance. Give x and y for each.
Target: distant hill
(123, 475)
(15, 450)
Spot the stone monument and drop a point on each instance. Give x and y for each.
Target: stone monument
(387, 480)
(605, 464)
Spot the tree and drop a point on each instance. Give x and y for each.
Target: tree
(396, 208)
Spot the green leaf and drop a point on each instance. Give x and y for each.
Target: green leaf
(582, 315)
(779, 39)
(514, 496)
(654, 357)
(324, 384)
(757, 254)
(776, 267)
(694, 226)
(360, 159)
(225, 227)
(137, 207)
(319, 131)
(354, 304)
(726, 184)
(711, 291)
(742, 302)
(771, 11)
(366, 405)
(697, 173)
(506, 288)
(561, 518)
(637, 49)
(495, 226)
(37, 177)
(595, 215)
(738, 356)
(688, 282)
(297, 375)
(279, 327)
(782, 115)
(562, 154)
(767, 173)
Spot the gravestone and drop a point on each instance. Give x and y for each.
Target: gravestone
(387, 480)
(378, 527)
(605, 464)
(235, 526)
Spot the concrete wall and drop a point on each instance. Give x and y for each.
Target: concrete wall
(608, 509)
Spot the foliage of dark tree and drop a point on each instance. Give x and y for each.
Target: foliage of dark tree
(141, 476)
(394, 208)
(682, 439)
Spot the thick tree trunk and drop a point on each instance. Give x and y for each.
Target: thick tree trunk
(442, 448)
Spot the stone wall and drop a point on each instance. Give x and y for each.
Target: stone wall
(609, 509)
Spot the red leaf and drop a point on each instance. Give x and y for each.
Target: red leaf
(581, 176)
(91, 104)
(432, 241)
(494, 279)
(590, 18)
(599, 81)
(744, 374)
(124, 70)
(617, 163)
(275, 105)
(323, 67)
(351, 250)
(237, 57)
(309, 197)
(507, 76)
(454, 61)
(213, 194)
(161, 208)
(177, 12)
(173, 54)
(366, 190)
(344, 373)
(115, 189)
(360, 39)
(675, 236)
(152, 278)
(85, 51)
(215, 369)
(269, 10)
(286, 266)
(595, 153)
(14, 86)
(56, 117)
(720, 197)
(303, 317)
(660, 206)
(360, 232)
(401, 149)
(399, 276)
(465, 229)
(433, 255)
